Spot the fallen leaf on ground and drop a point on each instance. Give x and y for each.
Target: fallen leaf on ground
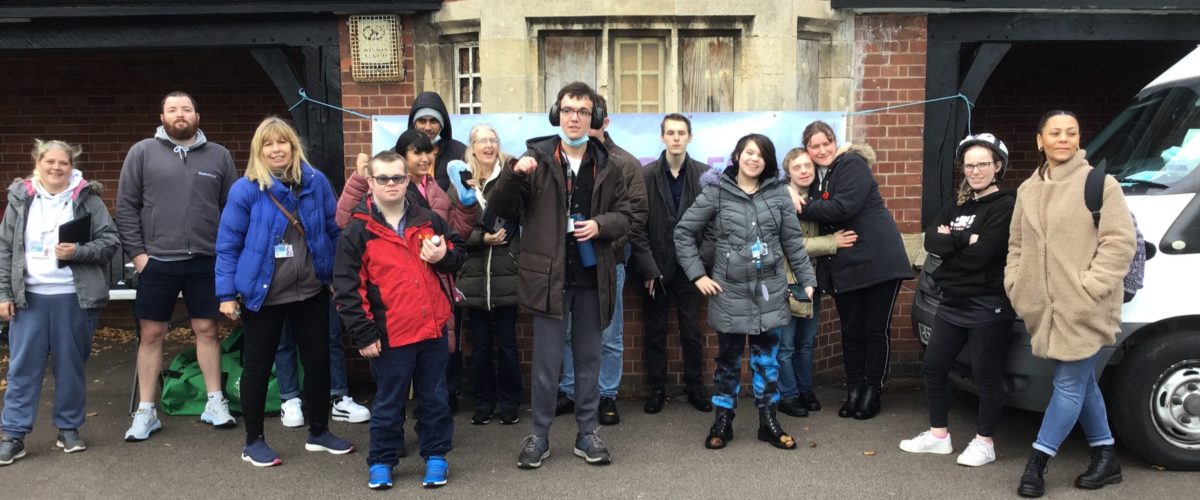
(812, 444)
(1158, 467)
(869, 453)
(92, 413)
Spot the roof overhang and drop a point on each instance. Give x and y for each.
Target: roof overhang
(951, 6)
(20, 9)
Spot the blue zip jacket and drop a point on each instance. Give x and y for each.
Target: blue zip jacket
(251, 225)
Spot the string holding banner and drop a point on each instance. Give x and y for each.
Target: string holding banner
(926, 101)
(305, 98)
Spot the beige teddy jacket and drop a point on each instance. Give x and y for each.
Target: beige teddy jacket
(1064, 275)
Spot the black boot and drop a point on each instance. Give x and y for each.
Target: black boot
(853, 396)
(1104, 469)
(699, 399)
(810, 401)
(721, 432)
(793, 406)
(656, 401)
(770, 431)
(868, 406)
(1033, 481)
(608, 412)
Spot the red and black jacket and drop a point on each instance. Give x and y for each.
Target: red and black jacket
(384, 291)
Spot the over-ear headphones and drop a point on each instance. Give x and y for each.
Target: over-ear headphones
(598, 114)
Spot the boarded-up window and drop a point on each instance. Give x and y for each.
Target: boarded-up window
(638, 75)
(567, 59)
(808, 74)
(706, 73)
(468, 99)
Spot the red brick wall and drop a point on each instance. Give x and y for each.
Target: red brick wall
(108, 100)
(890, 52)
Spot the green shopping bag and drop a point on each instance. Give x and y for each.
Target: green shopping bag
(184, 393)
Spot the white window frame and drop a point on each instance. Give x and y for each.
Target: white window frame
(475, 105)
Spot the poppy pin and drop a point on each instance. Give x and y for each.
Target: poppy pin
(825, 196)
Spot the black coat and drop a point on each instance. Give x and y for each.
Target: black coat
(660, 223)
(448, 148)
(850, 199)
(972, 269)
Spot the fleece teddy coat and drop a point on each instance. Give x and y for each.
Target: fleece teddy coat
(1064, 275)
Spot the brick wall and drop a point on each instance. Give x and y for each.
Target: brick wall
(890, 54)
(108, 100)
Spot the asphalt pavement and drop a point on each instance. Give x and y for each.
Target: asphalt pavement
(654, 456)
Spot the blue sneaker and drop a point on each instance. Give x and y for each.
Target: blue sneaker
(328, 442)
(436, 469)
(260, 455)
(379, 477)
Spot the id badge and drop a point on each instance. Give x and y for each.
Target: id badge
(756, 250)
(284, 250)
(38, 250)
(570, 225)
(765, 294)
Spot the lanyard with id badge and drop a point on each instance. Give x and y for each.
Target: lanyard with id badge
(42, 247)
(283, 249)
(757, 251)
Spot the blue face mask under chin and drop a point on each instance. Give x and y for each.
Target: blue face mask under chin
(572, 142)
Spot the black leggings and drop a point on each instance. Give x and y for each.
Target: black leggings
(309, 321)
(866, 316)
(989, 350)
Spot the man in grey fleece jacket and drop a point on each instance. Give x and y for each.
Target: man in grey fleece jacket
(169, 202)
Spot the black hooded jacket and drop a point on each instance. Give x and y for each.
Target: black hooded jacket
(448, 148)
(972, 269)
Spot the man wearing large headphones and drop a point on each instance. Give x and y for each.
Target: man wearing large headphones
(572, 206)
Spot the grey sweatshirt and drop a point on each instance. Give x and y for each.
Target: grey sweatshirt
(170, 197)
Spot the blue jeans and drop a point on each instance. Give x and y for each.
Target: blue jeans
(1076, 398)
(796, 352)
(285, 361)
(612, 348)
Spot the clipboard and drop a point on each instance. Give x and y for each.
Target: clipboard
(75, 231)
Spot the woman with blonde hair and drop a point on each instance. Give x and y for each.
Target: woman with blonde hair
(51, 292)
(489, 285)
(275, 248)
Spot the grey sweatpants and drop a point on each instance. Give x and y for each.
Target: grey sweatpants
(549, 337)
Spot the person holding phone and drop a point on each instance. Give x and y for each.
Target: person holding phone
(275, 249)
(51, 293)
(796, 343)
(757, 238)
(488, 282)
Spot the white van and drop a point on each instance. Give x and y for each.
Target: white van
(1151, 377)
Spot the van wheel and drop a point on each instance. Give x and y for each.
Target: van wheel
(1156, 410)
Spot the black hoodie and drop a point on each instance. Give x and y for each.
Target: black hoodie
(448, 148)
(972, 269)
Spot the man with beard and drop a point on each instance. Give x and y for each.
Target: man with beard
(430, 117)
(169, 200)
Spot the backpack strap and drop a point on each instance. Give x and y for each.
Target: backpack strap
(1093, 192)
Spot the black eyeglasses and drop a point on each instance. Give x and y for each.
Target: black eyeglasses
(399, 180)
(582, 112)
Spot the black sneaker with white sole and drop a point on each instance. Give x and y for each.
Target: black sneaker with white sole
(533, 451)
(69, 441)
(12, 449)
(589, 447)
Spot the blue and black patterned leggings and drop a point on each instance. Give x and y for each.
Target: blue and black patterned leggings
(728, 376)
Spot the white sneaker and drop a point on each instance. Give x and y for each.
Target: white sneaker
(925, 442)
(145, 423)
(346, 410)
(216, 412)
(977, 453)
(291, 413)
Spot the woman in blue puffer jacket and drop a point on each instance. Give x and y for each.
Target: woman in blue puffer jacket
(275, 248)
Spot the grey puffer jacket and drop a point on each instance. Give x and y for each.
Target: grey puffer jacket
(91, 258)
(738, 219)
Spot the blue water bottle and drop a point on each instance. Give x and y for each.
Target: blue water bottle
(587, 252)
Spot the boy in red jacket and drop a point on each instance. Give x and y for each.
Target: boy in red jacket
(395, 307)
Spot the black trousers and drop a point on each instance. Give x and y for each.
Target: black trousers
(496, 381)
(989, 350)
(866, 316)
(687, 300)
(309, 322)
